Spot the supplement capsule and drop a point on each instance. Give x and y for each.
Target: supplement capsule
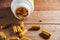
(13, 38)
(21, 12)
(19, 29)
(15, 29)
(35, 27)
(23, 33)
(45, 34)
(3, 26)
(26, 38)
(3, 35)
(22, 25)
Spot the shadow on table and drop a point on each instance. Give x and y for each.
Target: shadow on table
(6, 16)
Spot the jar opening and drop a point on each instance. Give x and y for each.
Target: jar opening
(21, 12)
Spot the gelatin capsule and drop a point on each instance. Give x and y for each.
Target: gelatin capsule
(23, 33)
(15, 29)
(22, 25)
(35, 27)
(19, 29)
(26, 38)
(3, 35)
(45, 34)
(13, 38)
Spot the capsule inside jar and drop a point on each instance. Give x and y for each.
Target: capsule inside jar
(21, 13)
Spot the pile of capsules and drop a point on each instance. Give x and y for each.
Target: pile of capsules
(21, 31)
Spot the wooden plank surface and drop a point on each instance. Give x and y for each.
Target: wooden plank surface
(39, 4)
(6, 16)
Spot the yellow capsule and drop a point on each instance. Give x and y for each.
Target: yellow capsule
(45, 34)
(13, 38)
(3, 35)
(26, 38)
(22, 25)
(19, 29)
(23, 33)
(15, 29)
(36, 27)
(22, 11)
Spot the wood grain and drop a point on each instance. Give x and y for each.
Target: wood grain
(39, 4)
(45, 16)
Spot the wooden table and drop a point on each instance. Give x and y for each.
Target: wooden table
(6, 16)
(39, 4)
